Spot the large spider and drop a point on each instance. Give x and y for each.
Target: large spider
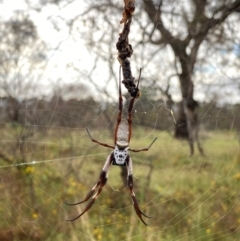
(119, 156)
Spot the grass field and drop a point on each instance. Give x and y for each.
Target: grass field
(193, 198)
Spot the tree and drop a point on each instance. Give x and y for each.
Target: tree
(172, 41)
(187, 27)
(199, 23)
(21, 61)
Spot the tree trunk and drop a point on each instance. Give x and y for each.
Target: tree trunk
(188, 126)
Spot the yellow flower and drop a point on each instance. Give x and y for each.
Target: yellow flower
(159, 189)
(74, 184)
(29, 169)
(208, 231)
(34, 215)
(237, 176)
(213, 183)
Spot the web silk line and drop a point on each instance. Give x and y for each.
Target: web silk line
(46, 161)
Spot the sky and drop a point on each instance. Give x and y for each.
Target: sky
(73, 51)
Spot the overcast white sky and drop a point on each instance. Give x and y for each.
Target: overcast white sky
(74, 51)
(70, 51)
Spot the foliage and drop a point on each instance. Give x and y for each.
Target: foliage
(189, 198)
(149, 112)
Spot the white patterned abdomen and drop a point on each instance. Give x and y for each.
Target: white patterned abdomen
(122, 133)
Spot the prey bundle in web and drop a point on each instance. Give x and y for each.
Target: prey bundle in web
(125, 49)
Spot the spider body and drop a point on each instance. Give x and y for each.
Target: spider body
(119, 156)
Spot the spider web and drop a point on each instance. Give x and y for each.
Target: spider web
(48, 158)
(187, 197)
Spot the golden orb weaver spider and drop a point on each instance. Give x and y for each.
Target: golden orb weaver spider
(119, 156)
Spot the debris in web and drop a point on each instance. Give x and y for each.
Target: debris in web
(125, 49)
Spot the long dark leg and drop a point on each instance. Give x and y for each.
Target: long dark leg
(101, 180)
(130, 108)
(120, 107)
(98, 142)
(100, 184)
(143, 149)
(130, 185)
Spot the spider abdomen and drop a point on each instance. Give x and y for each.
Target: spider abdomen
(123, 133)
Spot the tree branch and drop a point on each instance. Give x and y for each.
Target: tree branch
(156, 17)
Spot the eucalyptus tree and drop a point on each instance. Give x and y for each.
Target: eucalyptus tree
(179, 44)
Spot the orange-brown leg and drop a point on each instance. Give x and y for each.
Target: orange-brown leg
(120, 107)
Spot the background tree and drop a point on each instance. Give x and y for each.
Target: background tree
(21, 65)
(172, 41)
(21, 61)
(199, 23)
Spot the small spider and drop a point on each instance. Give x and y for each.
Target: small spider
(119, 156)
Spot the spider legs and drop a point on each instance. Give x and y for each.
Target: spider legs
(130, 185)
(100, 184)
(130, 108)
(98, 142)
(120, 107)
(143, 149)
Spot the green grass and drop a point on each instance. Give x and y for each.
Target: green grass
(190, 198)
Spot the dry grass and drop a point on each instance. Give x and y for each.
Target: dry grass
(189, 198)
